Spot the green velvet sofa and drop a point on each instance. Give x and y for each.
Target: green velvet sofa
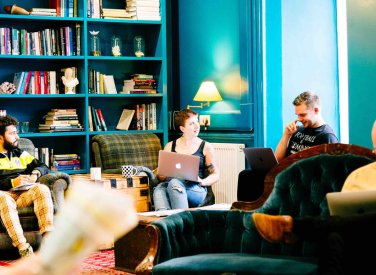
(226, 242)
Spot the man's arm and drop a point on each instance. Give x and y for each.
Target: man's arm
(281, 150)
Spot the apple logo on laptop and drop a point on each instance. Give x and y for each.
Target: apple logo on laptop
(178, 165)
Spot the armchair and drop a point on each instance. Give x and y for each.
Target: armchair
(114, 150)
(216, 242)
(58, 184)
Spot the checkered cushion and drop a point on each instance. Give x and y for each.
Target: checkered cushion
(114, 150)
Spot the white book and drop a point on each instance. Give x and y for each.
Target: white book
(109, 84)
(125, 119)
(52, 76)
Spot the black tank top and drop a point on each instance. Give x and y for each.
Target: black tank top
(200, 153)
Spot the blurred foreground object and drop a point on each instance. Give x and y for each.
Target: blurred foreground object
(90, 216)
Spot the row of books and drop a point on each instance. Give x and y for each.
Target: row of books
(64, 8)
(57, 162)
(138, 117)
(60, 120)
(96, 119)
(133, 10)
(62, 162)
(40, 82)
(36, 82)
(100, 83)
(63, 41)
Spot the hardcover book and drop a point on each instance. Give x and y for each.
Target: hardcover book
(125, 119)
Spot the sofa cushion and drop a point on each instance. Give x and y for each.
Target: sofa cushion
(114, 150)
(236, 263)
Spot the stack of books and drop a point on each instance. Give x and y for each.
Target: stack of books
(60, 120)
(140, 84)
(65, 162)
(42, 12)
(144, 9)
(117, 14)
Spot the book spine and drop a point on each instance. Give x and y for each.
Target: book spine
(101, 119)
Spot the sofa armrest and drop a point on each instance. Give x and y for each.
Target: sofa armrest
(58, 183)
(147, 264)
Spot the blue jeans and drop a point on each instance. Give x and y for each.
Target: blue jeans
(178, 194)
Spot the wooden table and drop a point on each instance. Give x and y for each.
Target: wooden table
(132, 248)
(137, 186)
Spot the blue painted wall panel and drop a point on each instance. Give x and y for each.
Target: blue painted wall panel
(361, 28)
(309, 54)
(209, 39)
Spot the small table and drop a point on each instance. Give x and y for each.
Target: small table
(137, 187)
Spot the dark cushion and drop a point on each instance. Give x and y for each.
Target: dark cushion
(236, 263)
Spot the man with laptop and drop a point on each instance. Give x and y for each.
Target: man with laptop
(351, 221)
(312, 131)
(186, 167)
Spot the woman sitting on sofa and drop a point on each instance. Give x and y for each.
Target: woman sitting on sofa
(174, 193)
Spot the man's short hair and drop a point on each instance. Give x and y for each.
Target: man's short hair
(6, 121)
(182, 116)
(308, 98)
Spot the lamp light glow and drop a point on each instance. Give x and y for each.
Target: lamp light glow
(207, 92)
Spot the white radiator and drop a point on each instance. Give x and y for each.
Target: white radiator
(230, 160)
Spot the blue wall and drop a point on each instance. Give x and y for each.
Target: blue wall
(300, 54)
(361, 28)
(210, 41)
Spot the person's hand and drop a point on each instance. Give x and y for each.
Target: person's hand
(161, 178)
(291, 128)
(21, 179)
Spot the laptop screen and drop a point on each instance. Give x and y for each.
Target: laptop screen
(351, 203)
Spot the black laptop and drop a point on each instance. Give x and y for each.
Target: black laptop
(261, 159)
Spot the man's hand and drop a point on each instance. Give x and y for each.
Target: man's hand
(291, 128)
(23, 179)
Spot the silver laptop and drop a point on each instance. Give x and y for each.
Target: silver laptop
(261, 159)
(351, 203)
(175, 165)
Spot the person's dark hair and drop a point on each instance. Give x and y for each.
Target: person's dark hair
(308, 98)
(182, 116)
(6, 121)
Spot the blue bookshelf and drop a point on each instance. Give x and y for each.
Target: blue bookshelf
(32, 107)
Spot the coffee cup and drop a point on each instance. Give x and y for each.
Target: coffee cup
(129, 170)
(95, 173)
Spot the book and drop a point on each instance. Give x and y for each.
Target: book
(17, 81)
(90, 116)
(125, 119)
(24, 187)
(101, 119)
(109, 84)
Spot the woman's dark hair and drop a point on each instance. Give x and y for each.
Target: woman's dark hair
(182, 116)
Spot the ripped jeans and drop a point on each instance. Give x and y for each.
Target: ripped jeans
(178, 194)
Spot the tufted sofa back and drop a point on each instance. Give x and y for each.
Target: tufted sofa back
(299, 190)
(114, 150)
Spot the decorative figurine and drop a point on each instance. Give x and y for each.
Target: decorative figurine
(69, 81)
(116, 46)
(14, 9)
(139, 46)
(95, 45)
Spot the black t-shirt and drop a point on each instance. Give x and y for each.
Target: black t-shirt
(308, 137)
